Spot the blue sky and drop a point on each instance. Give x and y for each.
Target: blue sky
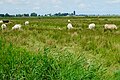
(55, 6)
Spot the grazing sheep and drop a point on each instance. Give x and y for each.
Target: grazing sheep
(26, 22)
(3, 26)
(69, 26)
(69, 21)
(1, 21)
(17, 26)
(109, 27)
(91, 26)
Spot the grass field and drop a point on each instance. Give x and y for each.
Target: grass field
(43, 52)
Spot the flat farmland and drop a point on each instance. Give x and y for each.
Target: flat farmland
(46, 50)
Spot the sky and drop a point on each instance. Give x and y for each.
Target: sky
(54, 6)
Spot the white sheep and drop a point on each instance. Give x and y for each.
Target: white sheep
(69, 26)
(3, 26)
(110, 26)
(69, 21)
(1, 21)
(91, 26)
(17, 26)
(26, 22)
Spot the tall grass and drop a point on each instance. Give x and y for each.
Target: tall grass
(17, 63)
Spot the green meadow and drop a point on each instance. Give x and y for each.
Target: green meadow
(46, 50)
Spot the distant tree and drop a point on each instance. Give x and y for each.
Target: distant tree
(11, 15)
(19, 15)
(1, 15)
(61, 14)
(39, 15)
(26, 15)
(45, 15)
(57, 14)
(64, 14)
(7, 15)
(33, 14)
(72, 14)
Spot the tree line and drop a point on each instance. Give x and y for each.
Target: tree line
(19, 15)
(35, 14)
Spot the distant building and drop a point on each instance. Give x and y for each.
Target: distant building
(74, 13)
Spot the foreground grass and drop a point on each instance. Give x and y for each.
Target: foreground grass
(17, 63)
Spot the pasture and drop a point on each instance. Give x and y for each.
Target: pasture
(42, 51)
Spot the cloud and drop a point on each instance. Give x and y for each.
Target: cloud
(15, 2)
(36, 8)
(11, 1)
(57, 7)
(31, 2)
(1, 2)
(113, 1)
(56, 1)
(82, 6)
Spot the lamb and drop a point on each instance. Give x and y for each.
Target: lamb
(17, 26)
(110, 27)
(91, 26)
(69, 26)
(3, 26)
(26, 22)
